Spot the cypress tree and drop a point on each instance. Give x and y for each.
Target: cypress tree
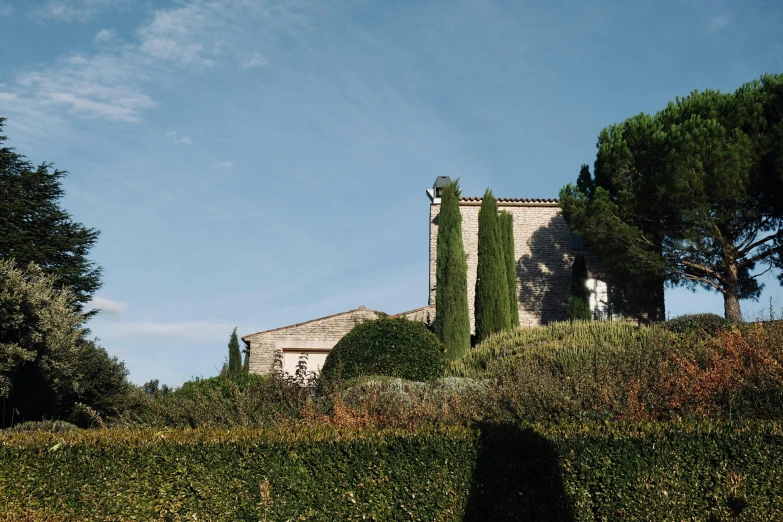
(234, 356)
(507, 232)
(491, 304)
(580, 294)
(452, 316)
(246, 363)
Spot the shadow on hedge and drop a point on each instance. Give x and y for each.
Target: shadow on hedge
(517, 477)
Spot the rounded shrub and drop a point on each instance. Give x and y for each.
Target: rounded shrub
(395, 347)
(701, 324)
(52, 426)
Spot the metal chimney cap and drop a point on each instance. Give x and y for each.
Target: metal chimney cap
(441, 181)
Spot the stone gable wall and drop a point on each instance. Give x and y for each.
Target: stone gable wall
(317, 334)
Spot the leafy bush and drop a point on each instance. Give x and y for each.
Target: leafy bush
(246, 400)
(48, 426)
(699, 324)
(389, 346)
(579, 472)
(603, 371)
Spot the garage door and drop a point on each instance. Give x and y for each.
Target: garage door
(315, 359)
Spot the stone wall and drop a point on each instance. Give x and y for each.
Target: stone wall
(544, 254)
(318, 334)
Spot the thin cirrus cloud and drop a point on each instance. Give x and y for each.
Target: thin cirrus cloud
(6, 9)
(106, 35)
(179, 140)
(107, 306)
(716, 23)
(91, 86)
(75, 10)
(114, 83)
(188, 330)
(253, 61)
(223, 165)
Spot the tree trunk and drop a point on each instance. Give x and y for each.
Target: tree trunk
(731, 306)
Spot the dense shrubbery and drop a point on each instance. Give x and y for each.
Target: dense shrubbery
(395, 347)
(48, 367)
(649, 471)
(703, 324)
(245, 400)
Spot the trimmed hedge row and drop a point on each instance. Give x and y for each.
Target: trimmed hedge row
(661, 471)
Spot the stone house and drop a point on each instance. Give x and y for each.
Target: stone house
(544, 248)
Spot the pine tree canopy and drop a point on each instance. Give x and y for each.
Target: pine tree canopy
(692, 195)
(491, 304)
(452, 315)
(507, 232)
(33, 227)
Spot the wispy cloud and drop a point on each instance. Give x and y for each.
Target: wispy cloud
(253, 61)
(177, 34)
(180, 140)
(94, 86)
(716, 23)
(192, 330)
(114, 83)
(106, 306)
(75, 10)
(223, 165)
(105, 35)
(6, 9)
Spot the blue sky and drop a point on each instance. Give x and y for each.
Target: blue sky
(258, 163)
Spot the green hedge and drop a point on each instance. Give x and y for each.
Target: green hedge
(391, 346)
(664, 471)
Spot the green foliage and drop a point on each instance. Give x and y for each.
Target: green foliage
(491, 303)
(389, 346)
(580, 472)
(452, 316)
(47, 366)
(246, 400)
(580, 294)
(692, 195)
(234, 355)
(506, 223)
(48, 426)
(39, 340)
(35, 229)
(704, 324)
(613, 371)
(246, 360)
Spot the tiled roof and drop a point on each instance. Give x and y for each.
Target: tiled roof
(512, 200)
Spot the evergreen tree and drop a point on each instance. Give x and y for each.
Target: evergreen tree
(507, 232)
(246, 363)
(452, 316)
(234, 355)
(692, 195)
(491, 304)
(35, 229)
(580, 294)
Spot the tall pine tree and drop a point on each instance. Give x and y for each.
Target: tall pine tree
(452, 316)
(507, 232)
(35, 228)
(234, 355)
(580, 294)
(491, 304)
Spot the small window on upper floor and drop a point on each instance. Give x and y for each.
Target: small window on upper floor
(576, 242)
